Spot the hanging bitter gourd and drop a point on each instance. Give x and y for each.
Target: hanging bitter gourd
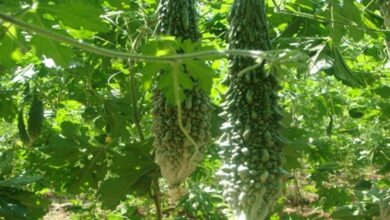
(22, 129)
(35, 118)
(34, 124)
(251, 147)
(174, 153)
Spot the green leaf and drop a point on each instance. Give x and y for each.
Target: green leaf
(93, 171)
(356, 112)
(346, 213)
(321, 105)
(202, 73)
(117, 3)
(184, 81)
(18, 204)
(19, 181)
(160, 47)
(151, 70)
(165, 84)
(383, 91)
(298, 143)
(10, 43)
(385, 108)
(385, 169)
(337, 32)
(59, 53)
(77, 14)
(292, 157)
(188, 46)
(334, 196)
(6, 165)
(356, 34)
(62, 151)
(363, 185)
(343, 72)
(113, 125)
(129, 170)
(11, 209)
(352, 12)
(10, 6)
(124, 4)
(7, 47)
(8, 107)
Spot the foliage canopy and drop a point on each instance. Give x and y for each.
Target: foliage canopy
(95, 142)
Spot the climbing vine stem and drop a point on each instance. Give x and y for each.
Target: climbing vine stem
(272, 56)
(176, 90)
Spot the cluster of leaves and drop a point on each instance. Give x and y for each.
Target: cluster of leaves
(89, 142)
(17, 201)
(338, 107)
(96, 135)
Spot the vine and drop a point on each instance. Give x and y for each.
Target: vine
(286, 55)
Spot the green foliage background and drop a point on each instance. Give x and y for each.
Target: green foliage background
(95, 147)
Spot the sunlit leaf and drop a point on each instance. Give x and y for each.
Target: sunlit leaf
(202, 73)
(77, 14)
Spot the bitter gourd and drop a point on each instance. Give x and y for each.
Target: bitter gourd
(35, 118)
(22, 129)
(251, 148)
(174, 153)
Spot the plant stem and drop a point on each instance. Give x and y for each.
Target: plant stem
(135, 108)
(175, 79)
(269, 55)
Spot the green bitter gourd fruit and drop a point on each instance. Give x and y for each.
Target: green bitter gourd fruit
(251, 149)
(22, 129)
(174, 153)
(35, 118)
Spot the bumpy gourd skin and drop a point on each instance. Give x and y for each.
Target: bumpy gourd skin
(251, 148)
(175, 154)
(35, 118)
(178, 18)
